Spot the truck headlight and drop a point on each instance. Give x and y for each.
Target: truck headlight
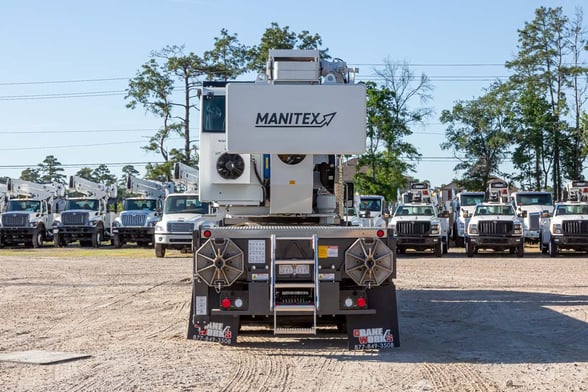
(473, 229)
(435, 228)
(116, 224)
(517, 228)
(159, 228)
(556, 228)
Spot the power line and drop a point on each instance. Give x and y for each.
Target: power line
(13, 132)
(61, 81)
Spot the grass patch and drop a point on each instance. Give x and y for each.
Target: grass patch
(76, 251)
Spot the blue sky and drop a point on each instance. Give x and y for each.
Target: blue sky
(65, 64)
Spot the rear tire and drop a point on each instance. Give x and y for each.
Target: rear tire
(469, 248)
(552, 248)
(116, 242)
(159, 250)
(521, 250)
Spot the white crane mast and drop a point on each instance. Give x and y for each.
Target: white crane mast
(186, 175)
(148, 188)
(17, 187)
(92, 189)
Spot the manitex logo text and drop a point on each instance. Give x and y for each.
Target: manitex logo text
(293, 120)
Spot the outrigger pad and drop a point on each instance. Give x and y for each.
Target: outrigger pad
(379, 330)
(222, 329)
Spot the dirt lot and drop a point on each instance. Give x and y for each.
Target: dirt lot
(483, 324)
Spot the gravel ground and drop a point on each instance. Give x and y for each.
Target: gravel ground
(489, 323)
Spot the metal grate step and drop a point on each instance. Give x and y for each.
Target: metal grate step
(294, 308)
(295, 285)
(295, 331)
(294, 261)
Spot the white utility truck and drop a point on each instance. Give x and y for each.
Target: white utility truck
(463, 205)
(279, 254)
(417, 224)
(494, 223)
(531, 206)
(30, 212)
(567, 227)
(141, 212)
(370, 211)
(182, 213)
(89, 218)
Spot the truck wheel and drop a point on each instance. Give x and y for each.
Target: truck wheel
(439, 249)
(159, 250)
(521, 250)
(552, 248)
(97, 239)
(38, 238)
(459, 242)
(116, 242)
(469, 249)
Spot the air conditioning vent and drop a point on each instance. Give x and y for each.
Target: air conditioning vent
(230, 166)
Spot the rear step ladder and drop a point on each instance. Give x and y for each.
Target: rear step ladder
(311, 283)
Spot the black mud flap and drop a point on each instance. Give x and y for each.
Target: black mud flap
(217, 329)
(220, 329)
(379, 330)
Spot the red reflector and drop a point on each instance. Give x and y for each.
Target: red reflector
(380, 233)
(225, 303)
(504, 191)
(206, 233)
(425, 193)
(361, 302)
(585, 190)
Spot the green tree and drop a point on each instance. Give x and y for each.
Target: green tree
(168, 71)
(276, 37)
(30, 174)
(102, 175)
(532, 155)
(478, 134)
(50, 170)
(391, 114)
(546, 61)
(86, 173)
(228, 58)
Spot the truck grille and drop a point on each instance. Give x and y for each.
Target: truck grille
(495, 228)
(74, 218)
(534, 221)
(133, 220)
(411, 228)
(16, 220)
(180, 227)
(575, 227)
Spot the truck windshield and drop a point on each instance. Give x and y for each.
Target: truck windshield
(185, 204)
(572, 209)
(140, 204)
(471, 200)
(533, 199)
(495, 210)
(83, 204)
(370, 204)
(414, 210)
(23, 205)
